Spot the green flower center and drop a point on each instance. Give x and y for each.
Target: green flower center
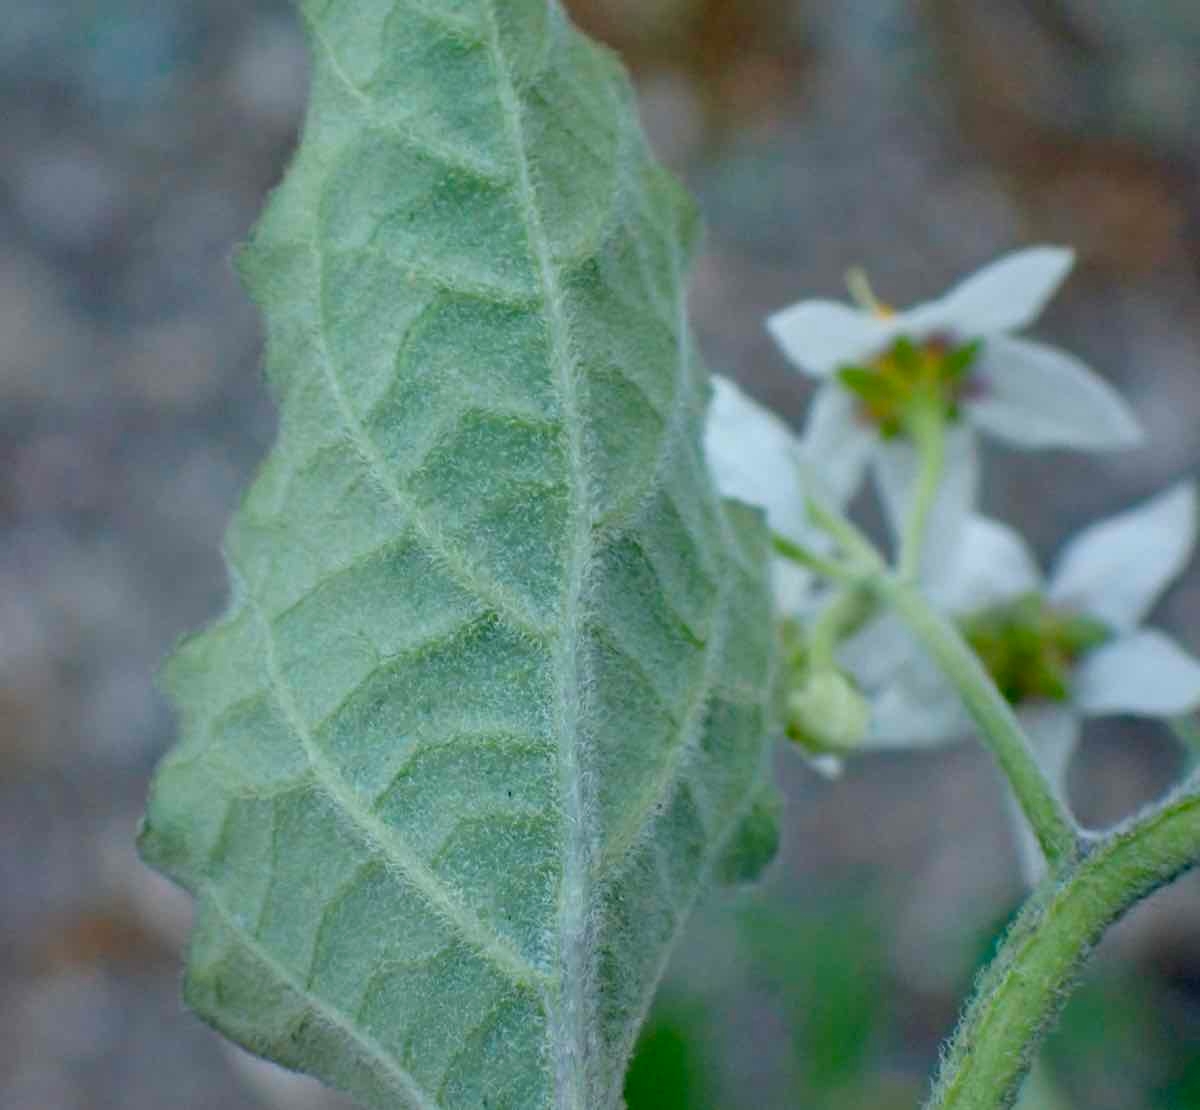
(1030, 648)
(907, 376)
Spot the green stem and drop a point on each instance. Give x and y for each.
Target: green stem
(1022, 991)
(854, 544)
(997, 723)
(810, 560)
(843, 616)
(926, 426)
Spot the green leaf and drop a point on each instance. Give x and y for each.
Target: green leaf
(673, 1066)
(490, 701)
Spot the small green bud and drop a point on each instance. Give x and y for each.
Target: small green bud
(827, 715)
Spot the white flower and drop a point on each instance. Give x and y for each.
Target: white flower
(1026, 393)
(756, 458)
(1109, 577)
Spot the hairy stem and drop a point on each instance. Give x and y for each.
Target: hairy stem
(997, 723)
(1023, 990)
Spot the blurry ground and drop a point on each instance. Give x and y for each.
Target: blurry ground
(137, 138)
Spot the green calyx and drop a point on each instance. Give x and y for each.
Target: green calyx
(1031, 648)
(908, 377)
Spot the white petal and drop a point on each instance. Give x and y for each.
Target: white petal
(1117, 568)
(904, 716)
(993, 564)
(796, 590)
(876, 653)
(896, 471)
(1006, 295)
(1054, 731)
(918, 707)
(754, 457)
(1036, 396)
(820, 336)
(1145, 674)
(836, 444)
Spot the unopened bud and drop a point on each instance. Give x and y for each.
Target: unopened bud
(827, 715)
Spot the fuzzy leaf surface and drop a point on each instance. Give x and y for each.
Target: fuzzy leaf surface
(489, 704)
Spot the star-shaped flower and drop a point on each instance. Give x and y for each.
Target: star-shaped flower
(1061, 649)
(961, 349)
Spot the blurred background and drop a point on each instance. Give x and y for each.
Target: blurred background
(137, 140)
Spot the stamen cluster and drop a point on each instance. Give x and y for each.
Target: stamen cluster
(1030, 647)
(907, 375)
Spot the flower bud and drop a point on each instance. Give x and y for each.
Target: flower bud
(826, 714)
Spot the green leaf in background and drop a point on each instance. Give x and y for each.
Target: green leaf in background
(490, 699)
(826, 968)
(672, 1068)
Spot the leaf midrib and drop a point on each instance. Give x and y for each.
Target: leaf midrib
(568, 1013)
(568, 1018)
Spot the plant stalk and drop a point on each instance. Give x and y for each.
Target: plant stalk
(998, 725)
(810, 560)
(1026, 985)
